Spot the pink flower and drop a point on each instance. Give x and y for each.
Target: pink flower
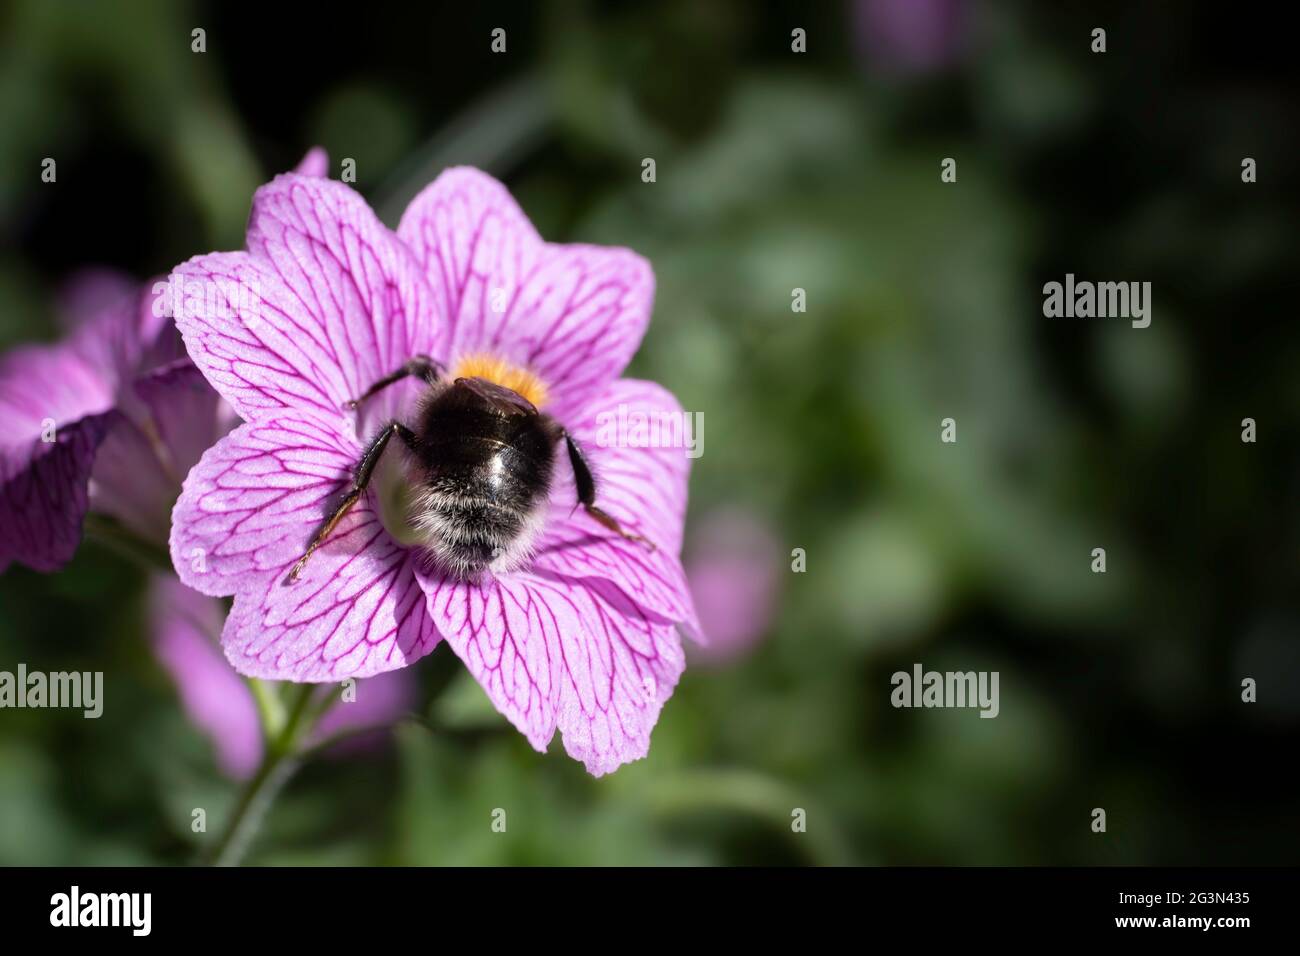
(186, 626)
(734, 568)
(325, 303)
(103, 419)
(111, 419)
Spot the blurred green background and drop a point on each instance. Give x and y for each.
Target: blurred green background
(775, 171)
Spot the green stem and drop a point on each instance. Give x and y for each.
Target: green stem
(270, 709)
(278, 765)
(285, 731)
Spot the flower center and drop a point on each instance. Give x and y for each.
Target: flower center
(499, 371)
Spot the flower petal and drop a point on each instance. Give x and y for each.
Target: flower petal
(641, 486)
(119, 329)
(634, 662)
(552, 653)
(124, 336)
(127, 483)
(325, 302)
(161, 340)
(508, 635)
(48, 383)
(139, 468)
(574, 314)
(72, 388)
(183, 408)
(48, 391)
(43, 493)
(246, 515)
(357, 611)
(185, 629)
(315, 163)
(253, 502)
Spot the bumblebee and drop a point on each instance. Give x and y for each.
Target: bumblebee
(480, 458)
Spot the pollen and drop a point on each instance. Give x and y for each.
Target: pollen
(501, 372)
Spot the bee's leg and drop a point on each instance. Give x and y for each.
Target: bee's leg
(360, 480)
(423, 366)
(586, 484)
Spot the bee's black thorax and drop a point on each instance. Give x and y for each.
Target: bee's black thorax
(483, 460)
